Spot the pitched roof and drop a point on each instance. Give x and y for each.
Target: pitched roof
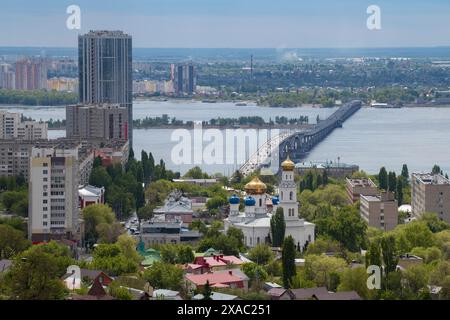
(343, 295)
(219, 260)
(97, 289)
(308, 293)
(276, 292)
(213, 278)
(216, 296)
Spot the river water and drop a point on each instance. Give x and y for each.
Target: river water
(371, 138)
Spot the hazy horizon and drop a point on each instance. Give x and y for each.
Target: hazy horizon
(231, 23)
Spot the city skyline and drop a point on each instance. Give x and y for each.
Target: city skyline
(232, 24)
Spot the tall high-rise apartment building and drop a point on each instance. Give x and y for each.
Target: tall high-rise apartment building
(430, 193)
(103, 121)
(7, 77)
(185, 80)
(105, 70)
(31, 74)
(53, 193)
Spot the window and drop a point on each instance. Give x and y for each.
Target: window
(45, 171)
(45, 164)
(291, 195)
(44, 223)
(260, 202)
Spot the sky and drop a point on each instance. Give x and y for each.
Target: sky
(231, 23)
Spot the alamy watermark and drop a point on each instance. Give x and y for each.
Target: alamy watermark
(374, 20)
(73, 21)
(246, 148)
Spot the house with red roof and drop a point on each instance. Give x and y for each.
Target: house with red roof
(218, 262)
(229, 279)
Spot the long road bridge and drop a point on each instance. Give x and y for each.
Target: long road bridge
(297, 143)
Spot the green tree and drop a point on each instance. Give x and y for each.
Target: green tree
(35, 276)
(399, 192)
(146, 212)
(405, 173)
(255, 272)
(93, 216)
(288, 261)
(207, 291)
(389, 253)
(12, 242)
(261, 254)
(436, 169)
(164, 276)
(196, 173)
(237, 234)
(392, 181)
(277, 227)
(383, 179)
(111, 259)
(323, 270)
(373, 255)
(354, 279)
(100, 178)
(127, 245)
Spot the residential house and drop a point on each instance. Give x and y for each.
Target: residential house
(218, 262)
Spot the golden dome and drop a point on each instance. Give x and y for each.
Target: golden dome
(255, 186)
(288, 164)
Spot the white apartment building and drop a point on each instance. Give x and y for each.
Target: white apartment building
(53, 194)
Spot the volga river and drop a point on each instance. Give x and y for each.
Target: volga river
(371, 138)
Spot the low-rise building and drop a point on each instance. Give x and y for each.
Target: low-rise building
(430, 193)
(224, 279)
(198, 182)
(218, 262)
(176, 208)
(362, 186)
(160, 232)
(333, 169)
(88, 195)
(380, 211)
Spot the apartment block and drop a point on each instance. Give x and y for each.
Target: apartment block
(430, 193)
(15, 156)
(31, 74)
(32, 130)
(7, 77)
(97, 121)
(357, 187)
(9, 123)
(379, 211)
(53, 193)
(11, 126)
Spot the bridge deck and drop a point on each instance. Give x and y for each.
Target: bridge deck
(297, 143)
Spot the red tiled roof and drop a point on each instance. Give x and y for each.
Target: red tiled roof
(213, 278)
(219, 261)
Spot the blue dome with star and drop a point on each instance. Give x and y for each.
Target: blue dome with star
(234, 199)
(250, 201)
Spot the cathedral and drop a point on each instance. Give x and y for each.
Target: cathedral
(255, 220)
